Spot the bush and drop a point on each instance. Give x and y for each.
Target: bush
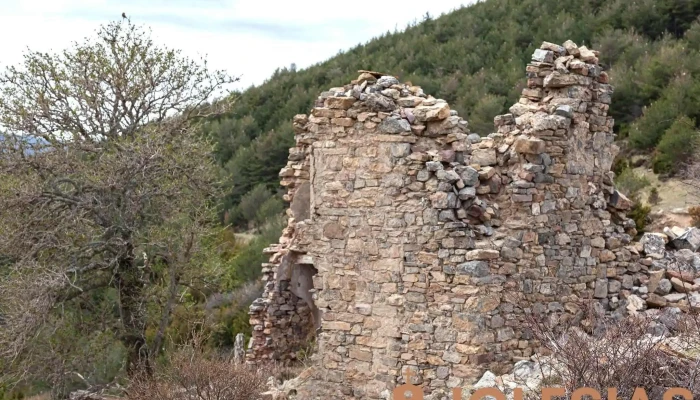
(630, 183)
(619, 353)
(246, 265)
(639, 213)
(269, 210)
(695, 215)
(229, 313)
(654, 196)
(676, 146)
(620, 165)
(251, 202)
(193, 375)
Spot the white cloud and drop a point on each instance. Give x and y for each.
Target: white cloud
(247, 38)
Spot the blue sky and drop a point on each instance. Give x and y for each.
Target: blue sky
(248, 38)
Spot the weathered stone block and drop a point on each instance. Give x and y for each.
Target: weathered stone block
(425, 113)
(342, 103)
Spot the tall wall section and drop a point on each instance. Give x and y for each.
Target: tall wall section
(413, 245)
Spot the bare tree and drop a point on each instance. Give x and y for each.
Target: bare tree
(105, 184)
(191, 374)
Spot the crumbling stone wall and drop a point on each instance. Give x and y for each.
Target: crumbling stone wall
(429, 245)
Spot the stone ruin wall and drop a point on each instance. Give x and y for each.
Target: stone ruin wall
(414, 245)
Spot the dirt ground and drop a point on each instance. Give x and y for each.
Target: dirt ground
(675, 199)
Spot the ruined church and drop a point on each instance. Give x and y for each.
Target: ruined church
(417, 248)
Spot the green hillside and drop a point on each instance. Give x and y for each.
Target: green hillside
(475, 59)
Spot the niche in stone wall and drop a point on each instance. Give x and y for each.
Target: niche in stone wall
(295, 282)
(301, 285)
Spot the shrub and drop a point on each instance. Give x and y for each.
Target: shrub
(620, 165)
(246, 265)
(647, 131)
(229, 313)
(251, 202)
(654, 196)
(630, 182)
(269, 210)
(676, 146)
(619, 353)
(193, 375)
(695, 215)
(639, 213)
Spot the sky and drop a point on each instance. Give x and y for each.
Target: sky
(249, 39)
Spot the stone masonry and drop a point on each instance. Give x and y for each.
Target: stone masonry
(413, 245)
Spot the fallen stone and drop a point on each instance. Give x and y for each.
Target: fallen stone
(680, 286)
(694, 300)
(524, 370)
(669, 317)
(620, 201)
(683, 276)
(675, 297)
(656, 301)
(686, 262)
(664, 287)
(690, 240)
(487, 380)
(654, 245)
(673, 232)
(634, 304)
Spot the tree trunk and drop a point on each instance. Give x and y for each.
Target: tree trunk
(167, 311)
(133, 318)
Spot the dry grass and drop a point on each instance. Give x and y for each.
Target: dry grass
(673, 193)
(45, 396)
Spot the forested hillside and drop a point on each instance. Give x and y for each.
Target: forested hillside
(474, 58)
